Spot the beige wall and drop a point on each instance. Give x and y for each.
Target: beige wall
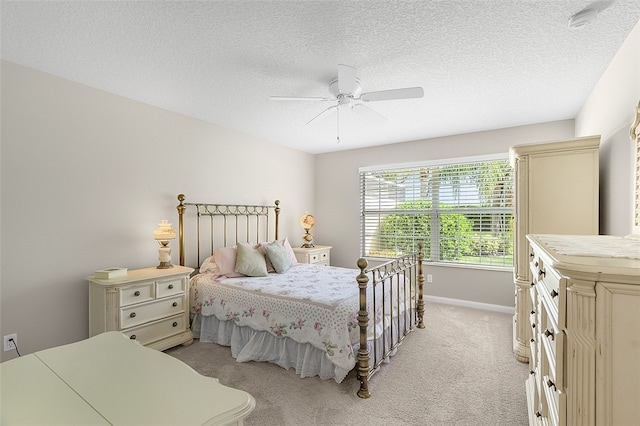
(609, 111)
(85, 178)
(338, 204)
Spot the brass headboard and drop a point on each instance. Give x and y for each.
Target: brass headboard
(217, 225)
(634, 133)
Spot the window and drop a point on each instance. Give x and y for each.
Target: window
(461, 211)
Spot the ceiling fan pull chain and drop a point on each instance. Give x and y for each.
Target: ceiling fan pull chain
(338, 125)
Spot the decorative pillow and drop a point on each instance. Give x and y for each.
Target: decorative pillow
(278, 256)
(225, 258)
(261, 247)
(208, 265)
(290, 252)
(250, 261)
(288, 249)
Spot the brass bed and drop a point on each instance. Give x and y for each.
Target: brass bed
(393, 290)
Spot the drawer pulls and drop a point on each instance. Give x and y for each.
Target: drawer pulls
(132, 337)
(175, 324)
(137, 293)
(542, 272)
(170, 286)
(174, 304)
(551, 384)
(550, 333)
(554, 293)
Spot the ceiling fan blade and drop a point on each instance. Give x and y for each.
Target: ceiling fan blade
(389, 95)
(322, 113)
(291, 98)
(367, 112)
(346, 79)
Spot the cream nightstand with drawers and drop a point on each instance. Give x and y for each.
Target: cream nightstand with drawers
(149, 305)
(319, 255)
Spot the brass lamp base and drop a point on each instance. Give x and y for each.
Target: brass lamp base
(164, 265)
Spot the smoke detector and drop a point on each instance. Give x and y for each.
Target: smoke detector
(582, 18)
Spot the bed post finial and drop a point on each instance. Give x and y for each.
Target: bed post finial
(363, 323)
(277, 210)
(420, 307)
(181, 208)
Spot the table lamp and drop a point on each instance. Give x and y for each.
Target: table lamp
(163, 235)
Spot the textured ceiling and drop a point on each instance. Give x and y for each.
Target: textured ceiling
(483, 64)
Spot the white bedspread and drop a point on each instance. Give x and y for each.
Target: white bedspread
(309, 304)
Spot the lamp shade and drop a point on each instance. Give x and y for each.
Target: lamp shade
(164, 232)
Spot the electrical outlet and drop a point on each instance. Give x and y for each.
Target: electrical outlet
(429, 278)
(10, 342)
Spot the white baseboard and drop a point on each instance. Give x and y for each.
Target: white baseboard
(471, 304)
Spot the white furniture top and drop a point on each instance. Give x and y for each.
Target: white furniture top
(110, 379)
(602, 255)
(140, 274)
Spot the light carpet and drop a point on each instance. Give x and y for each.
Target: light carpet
(459, 370)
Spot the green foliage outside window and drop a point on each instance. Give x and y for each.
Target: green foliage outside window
(400, 234)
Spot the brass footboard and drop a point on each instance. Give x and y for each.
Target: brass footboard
(393, 294)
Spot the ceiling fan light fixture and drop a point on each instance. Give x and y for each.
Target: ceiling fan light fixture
(346, 90)
(582, 18)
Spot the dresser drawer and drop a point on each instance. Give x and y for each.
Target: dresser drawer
(553, 288)
(552, 344)
(169, 287)
(136, 294)
(322, 257)
(318, 255)
(139, 314)
(555, 403)
(534, 266)
(533, 342)
(150, 333)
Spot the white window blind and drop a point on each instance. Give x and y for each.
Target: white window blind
(461, 212)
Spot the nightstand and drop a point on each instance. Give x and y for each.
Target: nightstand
(318, 255)
(149, 305)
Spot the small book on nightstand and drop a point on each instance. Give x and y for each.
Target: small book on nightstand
(109, 273)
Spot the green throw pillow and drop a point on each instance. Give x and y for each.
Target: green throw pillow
(250, 261)
(278, 256)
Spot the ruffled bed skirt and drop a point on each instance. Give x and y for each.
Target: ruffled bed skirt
(251, 345)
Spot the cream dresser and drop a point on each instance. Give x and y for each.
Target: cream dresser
(585, 322)
(149, 305)
(319, 255)
(556, 192)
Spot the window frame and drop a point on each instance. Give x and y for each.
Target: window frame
(431, 253)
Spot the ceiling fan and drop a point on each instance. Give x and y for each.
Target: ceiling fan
(347, 92)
